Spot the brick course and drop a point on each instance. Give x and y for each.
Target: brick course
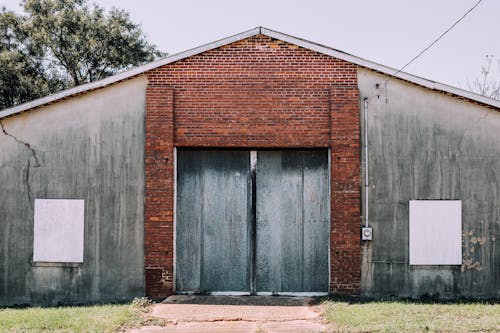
(256, 93)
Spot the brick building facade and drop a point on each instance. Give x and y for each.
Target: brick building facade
(259, 92)
(249, 166)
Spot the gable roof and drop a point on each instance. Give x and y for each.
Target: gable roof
(259, 30)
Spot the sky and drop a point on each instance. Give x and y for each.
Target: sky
(389, 32)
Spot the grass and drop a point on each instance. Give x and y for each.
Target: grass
(401, 316)
(96, 318)
(343, 316)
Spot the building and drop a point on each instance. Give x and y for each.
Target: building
(243, 166)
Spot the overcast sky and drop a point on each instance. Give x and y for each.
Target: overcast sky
(389, 32)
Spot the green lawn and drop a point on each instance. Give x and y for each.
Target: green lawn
(97, 318)
(400, 316)
(343, 316)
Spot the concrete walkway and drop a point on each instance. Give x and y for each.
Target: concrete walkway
(236, 314)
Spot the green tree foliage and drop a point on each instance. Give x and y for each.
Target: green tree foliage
(58, 44)
(22, 73)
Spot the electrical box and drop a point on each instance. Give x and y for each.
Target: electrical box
(366, 233)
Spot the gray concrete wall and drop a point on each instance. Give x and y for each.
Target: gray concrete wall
(88, 147)
(426, 145)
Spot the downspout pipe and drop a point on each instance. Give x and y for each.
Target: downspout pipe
(365, 147)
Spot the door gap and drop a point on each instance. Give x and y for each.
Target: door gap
(253, 229)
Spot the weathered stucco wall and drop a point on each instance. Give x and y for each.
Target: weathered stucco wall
(426, 145)
(89, 147)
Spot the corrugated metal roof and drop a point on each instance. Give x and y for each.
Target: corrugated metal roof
(259, 30)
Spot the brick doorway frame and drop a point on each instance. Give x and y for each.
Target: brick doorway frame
(345, 247)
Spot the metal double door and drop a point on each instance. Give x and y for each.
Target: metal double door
(252, 222)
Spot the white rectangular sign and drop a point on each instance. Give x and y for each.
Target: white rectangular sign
(58, 234)
(435, 232)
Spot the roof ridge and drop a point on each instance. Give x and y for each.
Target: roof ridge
(433, 85)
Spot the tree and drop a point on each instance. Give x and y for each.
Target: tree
(58, 44)
(488, 84)
(84, 42)
(22, 74)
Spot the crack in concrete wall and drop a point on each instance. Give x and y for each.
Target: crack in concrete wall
(33, 153)
(26, 144)
(27, 180)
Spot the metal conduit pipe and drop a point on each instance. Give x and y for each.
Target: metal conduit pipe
(366, 232)
(365, 147)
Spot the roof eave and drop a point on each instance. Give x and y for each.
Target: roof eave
(381, 68)
(246, 34)
(127, 74)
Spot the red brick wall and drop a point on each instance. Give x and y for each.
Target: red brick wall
(345, 254)
(159, 200)
(256, 93)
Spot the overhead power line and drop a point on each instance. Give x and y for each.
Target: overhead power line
(428, 47)
(440, 36)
